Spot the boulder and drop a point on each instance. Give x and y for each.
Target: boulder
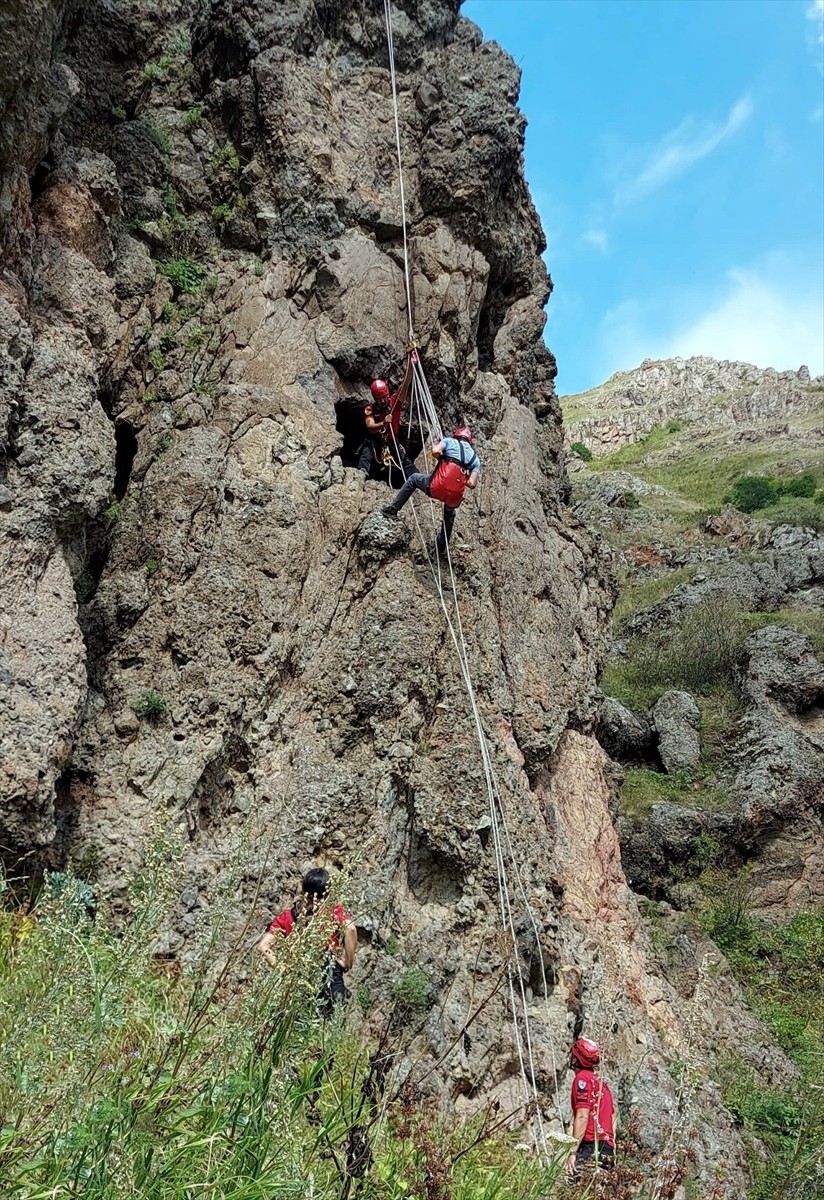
(676, 718)
(624, 735)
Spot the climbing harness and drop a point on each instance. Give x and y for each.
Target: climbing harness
(425, 415)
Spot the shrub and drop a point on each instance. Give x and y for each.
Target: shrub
(162, 444)
(149, 706)
(752, 492)
(186, 275)
(113, 511)
(192, 118)
(151, 567)
(412, 992)
(195, 338)
(118, 112)
(168, 342)
(582, 451)
(153, 72)
(800, 485)
(159, 136)
(158, 360)
(223, 215)
(227, 156)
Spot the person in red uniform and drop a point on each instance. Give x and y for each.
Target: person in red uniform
(380, 449)
(593, 1111)
(343, 936)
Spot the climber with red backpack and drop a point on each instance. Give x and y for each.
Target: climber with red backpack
(458, 468)
(593, 1112)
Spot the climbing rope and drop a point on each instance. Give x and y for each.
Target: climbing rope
(427, 420)
(406, 275)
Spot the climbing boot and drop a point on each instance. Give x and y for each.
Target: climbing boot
(390, 511)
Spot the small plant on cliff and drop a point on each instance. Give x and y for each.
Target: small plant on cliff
(412, 992)
(582, 451)
(192, 118)
(186, 275)
(223, 215)
(149, 706)
(227, 156)
(113, 512)
(159, 136)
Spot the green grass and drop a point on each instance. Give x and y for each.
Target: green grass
(642, 789)
(705, 475)
(186, 275)
(642, 595)
(700, 656)
(121, 1080)
(779, 967)
(809, 621)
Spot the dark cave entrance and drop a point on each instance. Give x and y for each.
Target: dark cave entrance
(125, 440)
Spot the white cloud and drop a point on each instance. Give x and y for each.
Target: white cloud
(757, 321)
(681, 149)
(762, 315)
(597, 238)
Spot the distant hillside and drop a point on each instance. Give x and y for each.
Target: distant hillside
(711, 395)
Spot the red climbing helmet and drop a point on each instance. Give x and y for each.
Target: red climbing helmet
(463, 431)
(379, 389)
(586, 1053)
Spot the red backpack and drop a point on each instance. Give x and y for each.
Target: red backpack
(449, 479)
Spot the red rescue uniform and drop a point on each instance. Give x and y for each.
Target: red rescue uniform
(590, 1092)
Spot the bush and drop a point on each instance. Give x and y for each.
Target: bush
(149, 706)
(192, 118)
(186, 275)
(752, 492)
(227, 156)
(160, 137)
(223, 215)
(800, 485)
(582, 451)
(412, 992)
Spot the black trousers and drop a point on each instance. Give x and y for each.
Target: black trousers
(586, 1153)
(334, 991)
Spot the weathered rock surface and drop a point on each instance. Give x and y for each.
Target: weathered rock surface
(675, 717)
(712, 395)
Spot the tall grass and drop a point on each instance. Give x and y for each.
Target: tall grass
(123, 1079)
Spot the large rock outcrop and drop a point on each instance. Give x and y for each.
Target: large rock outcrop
(206, 625)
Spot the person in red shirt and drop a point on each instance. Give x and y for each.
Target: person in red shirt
(343, 939)
(381, 450)
(593, 1111)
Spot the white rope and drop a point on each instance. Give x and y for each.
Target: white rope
(429, 424)
(407, 280)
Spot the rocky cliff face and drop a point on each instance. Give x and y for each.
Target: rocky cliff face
(205, 625)
(735, 399)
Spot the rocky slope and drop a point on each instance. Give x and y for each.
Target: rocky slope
(742, 402)
(205, 626)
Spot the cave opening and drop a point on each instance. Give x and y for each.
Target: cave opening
(125, 440)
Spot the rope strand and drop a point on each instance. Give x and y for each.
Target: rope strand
(503, 848)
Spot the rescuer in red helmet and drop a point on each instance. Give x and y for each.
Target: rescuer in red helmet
(381, 449)
(458, 468)
(593, 1111)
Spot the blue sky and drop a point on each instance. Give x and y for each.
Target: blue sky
(675, 152)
